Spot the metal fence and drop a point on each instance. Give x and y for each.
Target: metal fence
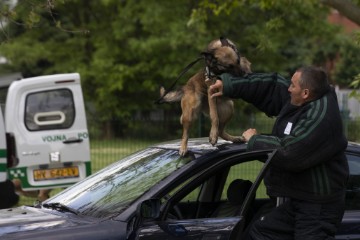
(141, 132)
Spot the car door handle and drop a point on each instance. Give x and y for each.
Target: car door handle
(212, 237)
(176, 230)
(73, 140)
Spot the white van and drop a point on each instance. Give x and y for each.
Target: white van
(44, 141)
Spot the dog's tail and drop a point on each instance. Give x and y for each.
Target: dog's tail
(170, 97)
(163, 95)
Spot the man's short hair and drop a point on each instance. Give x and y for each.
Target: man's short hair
(315, 79)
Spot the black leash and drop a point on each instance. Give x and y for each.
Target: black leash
(174, 83)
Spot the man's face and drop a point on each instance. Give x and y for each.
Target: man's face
(297, 94)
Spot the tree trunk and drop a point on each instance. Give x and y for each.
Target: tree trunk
(346, 8)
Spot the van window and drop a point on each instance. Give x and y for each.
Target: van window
(47, 110)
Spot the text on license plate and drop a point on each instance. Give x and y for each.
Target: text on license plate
(56, 173)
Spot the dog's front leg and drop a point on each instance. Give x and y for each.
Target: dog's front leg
(213, 114)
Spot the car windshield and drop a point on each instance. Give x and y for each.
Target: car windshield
(114, 188)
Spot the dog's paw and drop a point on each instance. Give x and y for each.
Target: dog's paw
(213, 136)
(213, 140)
(182, 151)
(238, 139)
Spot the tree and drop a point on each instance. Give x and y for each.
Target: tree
(131, 49)
(329, 51)
(125, 49)
(348, 8)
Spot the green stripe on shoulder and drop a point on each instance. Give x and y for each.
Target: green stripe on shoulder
(262, 77)
(316, 117)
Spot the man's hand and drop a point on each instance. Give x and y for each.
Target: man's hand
(216, 89)
(249, 133)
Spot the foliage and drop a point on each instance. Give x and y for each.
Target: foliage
(347, 64)
(353, 127)
(125, 49)
(355, 84)
(277, 34)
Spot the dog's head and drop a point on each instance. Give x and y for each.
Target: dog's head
(222, 56)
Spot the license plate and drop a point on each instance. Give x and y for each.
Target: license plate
(56, 173)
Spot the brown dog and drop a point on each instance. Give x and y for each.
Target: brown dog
(220, 56)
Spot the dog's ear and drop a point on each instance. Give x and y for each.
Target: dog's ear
(245, 65)
(228, 43)
(224, 42)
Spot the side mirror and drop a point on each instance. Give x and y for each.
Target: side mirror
(149, 208)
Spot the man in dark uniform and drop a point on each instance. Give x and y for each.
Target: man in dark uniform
(8, 197)
(310, 169)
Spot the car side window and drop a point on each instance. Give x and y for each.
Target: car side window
(246, 171)
(353, 185)
(192, 196)
(219, 194)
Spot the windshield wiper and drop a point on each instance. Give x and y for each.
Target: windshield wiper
(60, 207)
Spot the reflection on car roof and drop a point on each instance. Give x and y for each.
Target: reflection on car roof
(195, 145)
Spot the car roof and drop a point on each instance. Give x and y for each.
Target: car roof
(353, 147)
(201, 146)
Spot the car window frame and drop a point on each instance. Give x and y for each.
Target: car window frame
(226, 161)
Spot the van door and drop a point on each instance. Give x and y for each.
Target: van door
(46, 123)
(3, 161)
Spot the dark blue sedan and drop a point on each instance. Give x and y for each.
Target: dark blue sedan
(212, 193)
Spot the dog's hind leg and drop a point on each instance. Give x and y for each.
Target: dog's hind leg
(190, 105)
(226, 111)
(224, 135)
(185, 135)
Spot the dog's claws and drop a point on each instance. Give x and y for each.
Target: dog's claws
(213, 136)
(182, 152)
(213, 140)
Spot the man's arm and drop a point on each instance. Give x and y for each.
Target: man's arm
(316, 138)
(266, 91)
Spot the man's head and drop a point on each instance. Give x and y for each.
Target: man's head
(307, 84)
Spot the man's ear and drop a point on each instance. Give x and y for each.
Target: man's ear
(306, 94)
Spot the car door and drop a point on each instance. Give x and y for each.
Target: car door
(192, 220)
(47, 131)
(350, 226)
